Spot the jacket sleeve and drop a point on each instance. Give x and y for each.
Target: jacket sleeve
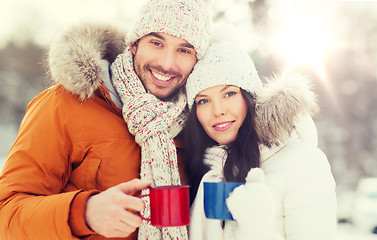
(310, 198)
(32, 205)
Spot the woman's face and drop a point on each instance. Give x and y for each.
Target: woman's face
(221, 110)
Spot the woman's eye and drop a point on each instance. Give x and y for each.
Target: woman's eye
(202, 101)
(229, 94)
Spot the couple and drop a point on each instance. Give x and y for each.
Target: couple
(111, 126)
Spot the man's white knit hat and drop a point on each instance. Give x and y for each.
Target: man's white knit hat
(225, 63)
(186, 19)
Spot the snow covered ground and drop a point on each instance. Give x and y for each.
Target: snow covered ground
(348, 232)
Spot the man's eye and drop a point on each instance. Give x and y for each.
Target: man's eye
(185, 51)
(158, 44)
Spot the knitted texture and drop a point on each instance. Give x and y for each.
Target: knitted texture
(215, 157)
(154, 124)
(186, 19)
(224, 64)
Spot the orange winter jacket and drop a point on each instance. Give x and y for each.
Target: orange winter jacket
(66, 150)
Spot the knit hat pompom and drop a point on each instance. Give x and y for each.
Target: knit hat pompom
(225, 63)
(186, 19)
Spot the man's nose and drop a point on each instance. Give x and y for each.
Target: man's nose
(167, 59)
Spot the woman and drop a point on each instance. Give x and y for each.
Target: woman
(241, 131)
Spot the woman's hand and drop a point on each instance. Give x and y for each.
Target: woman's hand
(252, 207)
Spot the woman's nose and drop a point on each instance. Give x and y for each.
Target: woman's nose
(218, 109)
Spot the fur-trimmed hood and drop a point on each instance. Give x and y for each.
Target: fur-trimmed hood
(280, 105)
(78, 55)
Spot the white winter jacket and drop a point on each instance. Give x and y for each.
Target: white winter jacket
(300, 178)
(303, 201)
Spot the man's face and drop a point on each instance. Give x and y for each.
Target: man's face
(163, 63)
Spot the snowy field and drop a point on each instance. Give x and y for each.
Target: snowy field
(349, 232)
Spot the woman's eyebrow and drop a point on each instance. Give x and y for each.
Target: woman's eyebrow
(221, 90)
(225, 87)
(200, 95)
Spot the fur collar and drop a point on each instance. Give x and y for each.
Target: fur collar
(77, 57)
(280, 105)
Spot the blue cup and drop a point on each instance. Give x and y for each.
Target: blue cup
(215, 195)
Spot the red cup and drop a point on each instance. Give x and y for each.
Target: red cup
(169, 205)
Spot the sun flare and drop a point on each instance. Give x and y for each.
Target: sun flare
(304, 44)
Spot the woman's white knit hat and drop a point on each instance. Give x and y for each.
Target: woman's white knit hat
(186, 19)
(225, 63)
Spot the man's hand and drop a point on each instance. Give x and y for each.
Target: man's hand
(110, 213)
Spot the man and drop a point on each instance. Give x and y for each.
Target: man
(109, 120)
